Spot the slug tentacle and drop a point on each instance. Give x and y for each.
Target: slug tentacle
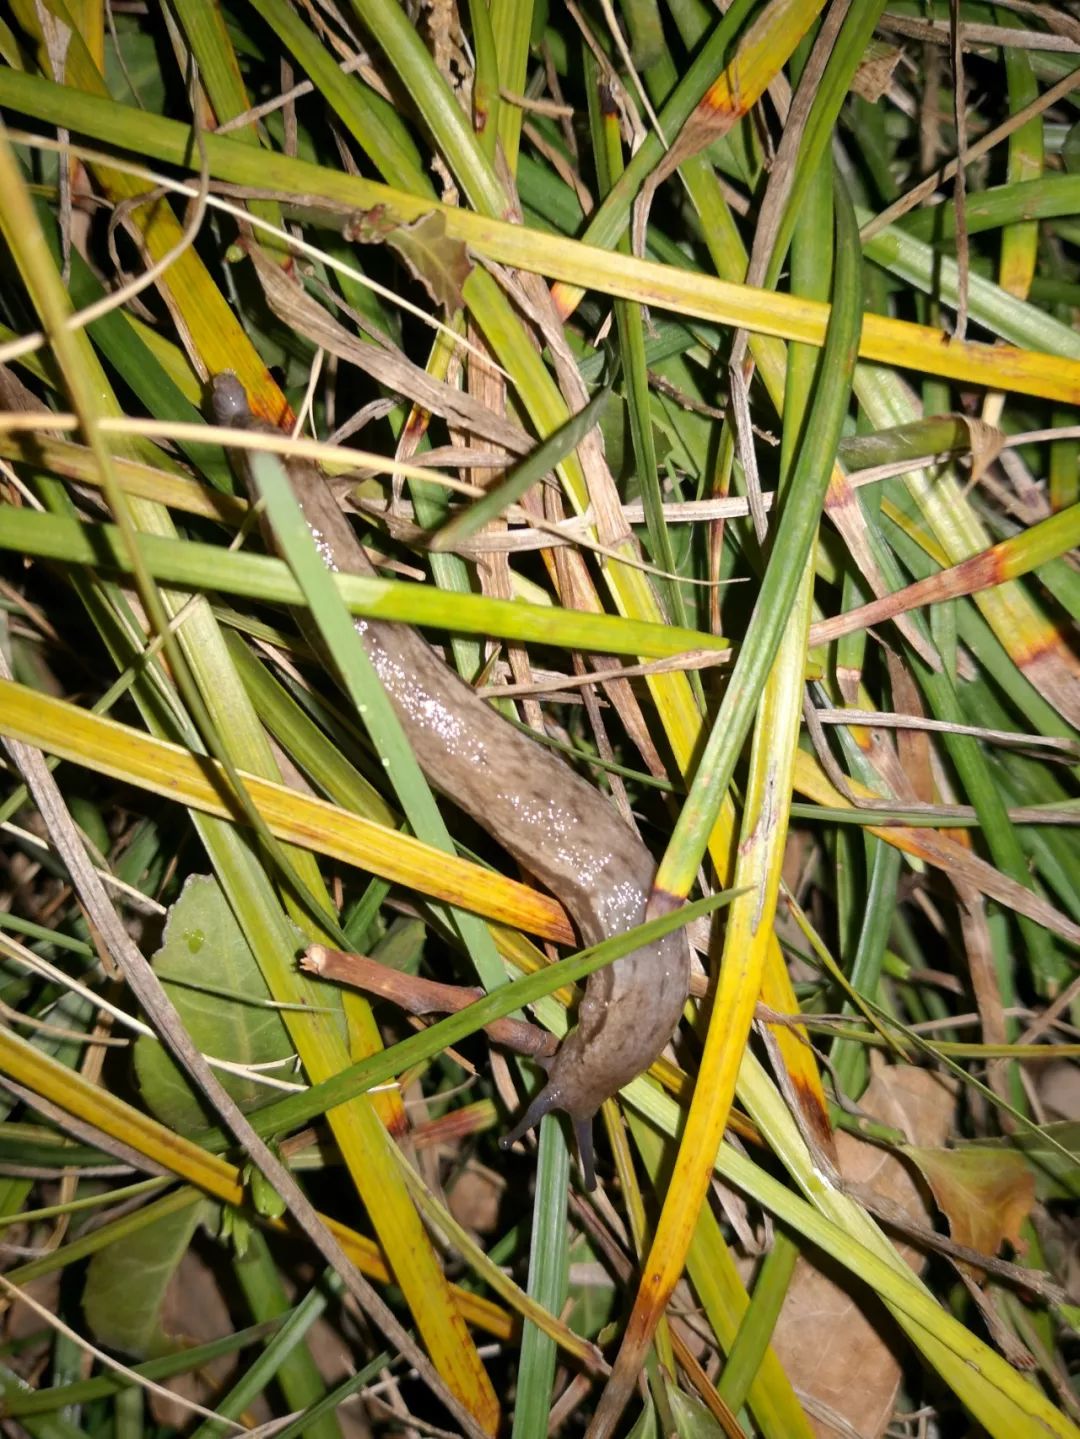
(555, 824)
(583, 1134)
(548, 1099)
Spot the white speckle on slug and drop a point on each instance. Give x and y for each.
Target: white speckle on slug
(422, 709)
(620, 905)
(325, 549)
(557, 835)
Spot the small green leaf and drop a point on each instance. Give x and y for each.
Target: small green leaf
(267, 1201)
(692, 1419)
(227, 1015)
(646, 1426)
(126, 1283)
(236, 1230)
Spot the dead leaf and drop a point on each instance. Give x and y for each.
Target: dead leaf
(23, 1330)
(475, 1199)
(986, 1194)
(913, 747)
(302, 313)
(874, 74)
(835, 1341)
(1058, 1088)
(986, 444)
(195, 1312)
(441, 264)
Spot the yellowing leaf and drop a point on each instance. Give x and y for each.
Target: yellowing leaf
(985, 1194)
(440, 263)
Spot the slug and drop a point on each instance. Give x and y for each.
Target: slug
(558, 827)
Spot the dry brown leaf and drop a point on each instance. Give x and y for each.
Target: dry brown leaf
(195, 1312)
(874, 74)
(836, 1342)
(1058, 1088)
(986, 443)
(475, 1199)
(441, 264)
(20, 1323)
(986, 1194)
(913, 747)
(300, 312)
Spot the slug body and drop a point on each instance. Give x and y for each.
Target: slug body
(556, 825)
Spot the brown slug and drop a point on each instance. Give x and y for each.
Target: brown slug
(555, 825)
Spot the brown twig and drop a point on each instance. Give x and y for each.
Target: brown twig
(424, 996)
